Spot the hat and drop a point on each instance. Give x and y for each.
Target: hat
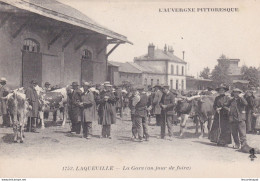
(108, 85)
(75, 84)
(237, 90)
(140, 87)
(107, 82)
(47, 83)
(86, 84)
(222, 86)
(166, 86)
(33, 82)
(3, 79)
(209, 88)
(159, 86)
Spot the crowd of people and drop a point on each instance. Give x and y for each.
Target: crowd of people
(102, 102)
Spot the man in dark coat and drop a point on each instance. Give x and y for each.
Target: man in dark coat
(237, 116)
(3, 103)
(220, 131)
(106, 110)
(167, 104)
(132, 95)
(33, 101)
(75, 108)
(140, 102)
(250, 98)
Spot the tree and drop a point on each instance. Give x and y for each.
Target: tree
(250, 74)
(205, 73)
(219, 74)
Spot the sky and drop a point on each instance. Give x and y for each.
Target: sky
(203, 36)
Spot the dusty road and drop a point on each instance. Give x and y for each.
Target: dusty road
(54, 152)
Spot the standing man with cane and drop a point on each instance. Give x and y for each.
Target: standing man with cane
(167, 104)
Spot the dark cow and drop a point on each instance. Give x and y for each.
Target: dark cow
(199, 107)
(203, 109)
(183, 110)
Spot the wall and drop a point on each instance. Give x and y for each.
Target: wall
(136, 79)
(172, 75)
(155, 77)
(58, 66)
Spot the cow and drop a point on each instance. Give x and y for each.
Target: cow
(18, 108)
(53, 101)
(202, 108)
(198, 107)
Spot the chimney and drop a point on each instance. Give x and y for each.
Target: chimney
(151, 50)
(171, 50)
(183, 52)
(165, 48)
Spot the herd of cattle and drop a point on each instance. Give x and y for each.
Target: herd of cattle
(198, 107)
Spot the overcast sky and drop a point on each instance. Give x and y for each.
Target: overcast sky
(205, 35)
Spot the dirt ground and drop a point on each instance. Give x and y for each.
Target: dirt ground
(54, 152)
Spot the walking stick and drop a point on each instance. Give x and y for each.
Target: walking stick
(219, 127)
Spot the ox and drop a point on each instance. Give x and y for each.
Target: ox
(18, 107)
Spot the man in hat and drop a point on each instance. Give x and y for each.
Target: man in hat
(75, 108)
(119, 102)
(250, 98)
(156, 103)
(3, 104)
(220, 131)
(88, 110)
(140, 103)
(33, 100)
(167, 104)
(106, 110)
(133, 97)
(237, 117)
(46, 88)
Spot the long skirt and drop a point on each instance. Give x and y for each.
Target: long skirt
(221, 132)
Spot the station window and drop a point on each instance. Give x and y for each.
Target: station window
(31, 45)
(86, 54)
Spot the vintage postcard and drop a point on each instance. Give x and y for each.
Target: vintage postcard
(129, 88)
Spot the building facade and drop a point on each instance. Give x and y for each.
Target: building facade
(168, 68)
(52, 42)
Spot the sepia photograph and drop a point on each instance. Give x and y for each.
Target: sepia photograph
(129, 89)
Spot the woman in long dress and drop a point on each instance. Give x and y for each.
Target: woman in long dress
(220, 132)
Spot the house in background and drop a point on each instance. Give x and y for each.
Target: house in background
(50, 41)
(169, 69)
(133, 73)
(120, 72)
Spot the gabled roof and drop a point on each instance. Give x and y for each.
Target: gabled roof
(131, 67)
(126, 67)
(64, 13)
(142, 68)
(161, 55)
